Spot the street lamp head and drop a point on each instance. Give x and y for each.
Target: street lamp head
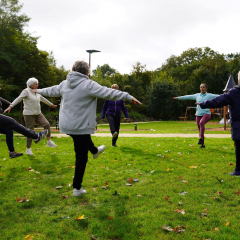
(92, 51)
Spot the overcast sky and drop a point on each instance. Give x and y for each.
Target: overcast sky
(130, 31)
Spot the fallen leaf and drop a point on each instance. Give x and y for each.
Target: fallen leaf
(139, 195)
(167, 228)
(128, 184)
(59, 187)
(203, 214)
(80, 218)
(21, 199)
(116, 193)
(179, 178)
(110, 218)
(237, 192)
(72, 166)
(215, 197)
(179, 204)
(182, 193)
(216, 229)
(166, 198)
(28, 237)
(140, 174)
(169, 169)
(220, 193)
(231, 164)
(1, 174)
(182, 211)
(193, 167)
(227, 223)
(29, 168)
(64, 196)
(178, 229)
(184, 181)
(130, 180)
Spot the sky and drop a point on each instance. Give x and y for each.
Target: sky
(131, 31)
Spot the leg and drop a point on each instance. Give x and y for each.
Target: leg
(43, 122)
(30, 122)
(10, 123)
(117, 127)
(92, 148)
(202, 123)
(111, 123)
(237, 152)
(81, 146)
(9, 138)
(198, 119)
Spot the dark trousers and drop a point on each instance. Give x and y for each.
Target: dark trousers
(9, 138)
(10, 123)
(114, 123)
(82, 144)
(237, 152)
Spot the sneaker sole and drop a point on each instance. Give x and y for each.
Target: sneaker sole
(51, 146)
(115, 135)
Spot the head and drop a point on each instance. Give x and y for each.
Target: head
(32, 83)
(239, 77)
(203, 88)
(115, 86)
(81, 67)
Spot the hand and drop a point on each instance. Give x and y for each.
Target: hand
(128, 119)
(175, 97)
(8, 109)
(54, 106)
(34, 90)
(197, 103)
(135, 101)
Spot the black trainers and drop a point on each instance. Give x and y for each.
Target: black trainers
(114, 145)
(235, 173)
(200, 141)
(115, 135)
(15, 154)
(202, 146)
(41, 136)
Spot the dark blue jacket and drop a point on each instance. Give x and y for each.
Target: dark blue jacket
(232, 98)
(114, 108)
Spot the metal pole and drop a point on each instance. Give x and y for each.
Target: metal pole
(89, 65)
(21, 109)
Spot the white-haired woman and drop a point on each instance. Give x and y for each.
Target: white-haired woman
(32, 111)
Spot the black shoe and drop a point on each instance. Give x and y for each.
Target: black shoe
(203, 146)
(235, 173)
(41, 136)
(200, 141)
(114, 145)
(15, 154)
(115, 135)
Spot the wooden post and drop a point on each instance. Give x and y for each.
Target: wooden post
(224, 115)
(185, 119)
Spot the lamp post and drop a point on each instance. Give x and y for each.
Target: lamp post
(90, 52)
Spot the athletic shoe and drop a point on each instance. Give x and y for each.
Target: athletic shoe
(50, 143)
(29, 151)
(100, 150)
(115, 135)
(235, 173)
(200, 141)
(41, 136)
(114, 145)
(15, 154)
(202, 146)
(79, 192)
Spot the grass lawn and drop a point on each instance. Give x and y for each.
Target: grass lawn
(178, 185)
(167, 127)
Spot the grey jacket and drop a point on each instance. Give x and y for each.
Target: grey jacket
(78, 94)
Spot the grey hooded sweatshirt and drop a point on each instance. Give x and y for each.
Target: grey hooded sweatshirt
(78, 94)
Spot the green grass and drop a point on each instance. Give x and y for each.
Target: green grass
(167, 127)
(138, 211)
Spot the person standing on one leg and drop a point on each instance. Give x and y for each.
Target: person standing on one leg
(112, 110)
(8, 133)
(77, 116)
(202, 115)
(32, 111)
(232, 98)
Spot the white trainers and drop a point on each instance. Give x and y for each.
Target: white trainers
(100, 150)
(79, 192)
(50, 143)
(115, 135)
(29, 151)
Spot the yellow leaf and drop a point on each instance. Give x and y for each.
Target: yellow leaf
(217, 229)
(227, 223)
(29, 237)
(1, 174)
(80, 218)
(193, 167)
(72, 166)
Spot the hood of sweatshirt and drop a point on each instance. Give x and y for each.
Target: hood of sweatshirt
(75, 78)
(237, 86)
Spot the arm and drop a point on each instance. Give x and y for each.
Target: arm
(105, 105)
(222, 100)
(44, 100)
(5, 101)
(124, 109)
(211, 96)
(53, 91)
(187, 97)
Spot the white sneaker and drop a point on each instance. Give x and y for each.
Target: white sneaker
(100, 150)
(79, 192)
(29, 151)
(50, 143)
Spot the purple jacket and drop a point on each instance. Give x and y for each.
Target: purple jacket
(114, 108)
(232, 98)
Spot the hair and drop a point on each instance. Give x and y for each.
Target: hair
(115, 86)
(204, 84)
(239, 75)
(31, 81)
(81, 67)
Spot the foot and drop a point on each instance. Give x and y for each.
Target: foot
(79, 192)
(41, 136)
(29, 151)
(50, 143)
(114, 145)
(200, 141)
(15, 154)
(202, 146)
(235, 173)
(115, 135)
(100, 150)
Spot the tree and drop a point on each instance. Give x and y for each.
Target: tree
(105, 70)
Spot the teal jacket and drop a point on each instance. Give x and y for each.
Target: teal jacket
(199, 97)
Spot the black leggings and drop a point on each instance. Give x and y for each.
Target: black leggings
(82, 143)
(237, 152)
(114, 123)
